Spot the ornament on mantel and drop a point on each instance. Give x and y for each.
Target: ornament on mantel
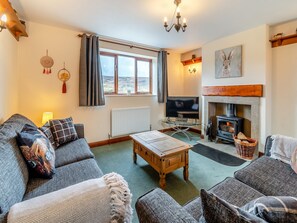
(47, 62)
(64, 75)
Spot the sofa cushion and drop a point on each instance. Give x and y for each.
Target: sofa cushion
(281, 209)
(72, 152)
(64, 177)
(269, 176)
(14, 172)
(158, 206)
(232, 190)
(63, 130)
(194, 208)
(46, 129)
(37, 150)
(218, 210)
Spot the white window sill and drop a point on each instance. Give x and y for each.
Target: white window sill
(132, 95)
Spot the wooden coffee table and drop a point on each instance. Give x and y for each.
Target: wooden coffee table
(164, 153)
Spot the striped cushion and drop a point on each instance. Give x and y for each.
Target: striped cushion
(217, 210)
(63, 131)
(278, 209)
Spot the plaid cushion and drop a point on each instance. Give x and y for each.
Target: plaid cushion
(281, 209)
(46, 129)
(216, 210)
(63, 130)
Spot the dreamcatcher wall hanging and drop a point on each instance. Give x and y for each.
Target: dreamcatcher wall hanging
(64, 75)
(47, 62)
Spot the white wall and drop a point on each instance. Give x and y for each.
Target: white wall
(284, 79)
(255, 66)
(175, 75)
(40, 92)
(192, 81)
(8, 75)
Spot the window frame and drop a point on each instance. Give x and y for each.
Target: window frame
(116, 75)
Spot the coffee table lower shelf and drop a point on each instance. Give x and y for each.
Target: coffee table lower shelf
(163, 164)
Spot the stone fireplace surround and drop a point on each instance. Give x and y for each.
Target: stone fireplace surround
(254, 102)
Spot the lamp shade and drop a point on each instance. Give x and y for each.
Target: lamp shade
(47, 116)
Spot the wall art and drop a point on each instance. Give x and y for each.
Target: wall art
(64, 75)
(228, 62)
(47, 62)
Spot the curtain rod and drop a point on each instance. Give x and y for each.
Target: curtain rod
(124, 44)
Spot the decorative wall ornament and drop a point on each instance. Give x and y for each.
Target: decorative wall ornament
(47, 62)
(64, 75)
(228, 62)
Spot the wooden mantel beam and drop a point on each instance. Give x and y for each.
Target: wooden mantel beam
(14, 25)
(234, 90)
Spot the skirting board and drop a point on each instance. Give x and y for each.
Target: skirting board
(126, 138)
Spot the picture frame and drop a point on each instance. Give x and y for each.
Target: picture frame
(228, 62)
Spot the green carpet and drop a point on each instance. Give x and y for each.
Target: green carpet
(203, 172)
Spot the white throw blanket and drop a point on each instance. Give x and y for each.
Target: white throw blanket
(106, 199)
(283, 148)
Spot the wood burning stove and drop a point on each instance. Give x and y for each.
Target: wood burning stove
(229, 124)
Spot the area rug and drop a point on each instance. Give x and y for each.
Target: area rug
(217, 156)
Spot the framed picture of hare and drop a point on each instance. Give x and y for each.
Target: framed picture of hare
(228, 62)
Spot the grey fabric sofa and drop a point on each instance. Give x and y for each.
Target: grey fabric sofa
(75, 163)
(263, 176)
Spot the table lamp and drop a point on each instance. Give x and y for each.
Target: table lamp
(47, 116)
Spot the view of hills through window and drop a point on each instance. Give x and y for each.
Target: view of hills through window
(126, 74)
(107, 65)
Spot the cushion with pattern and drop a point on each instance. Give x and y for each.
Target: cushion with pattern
(46, 129)
(274, 209)
(216, 210)
(63, 130)
(37, 150)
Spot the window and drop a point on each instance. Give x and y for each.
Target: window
(126, 74)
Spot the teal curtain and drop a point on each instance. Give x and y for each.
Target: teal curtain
(91, 91)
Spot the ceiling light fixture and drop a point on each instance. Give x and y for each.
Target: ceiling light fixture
(178, 25)
(3, 22)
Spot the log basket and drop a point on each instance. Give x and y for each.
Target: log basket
(245, 148)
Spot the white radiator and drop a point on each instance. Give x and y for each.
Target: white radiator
(125, 121)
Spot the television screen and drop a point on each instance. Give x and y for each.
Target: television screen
(185, 107)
